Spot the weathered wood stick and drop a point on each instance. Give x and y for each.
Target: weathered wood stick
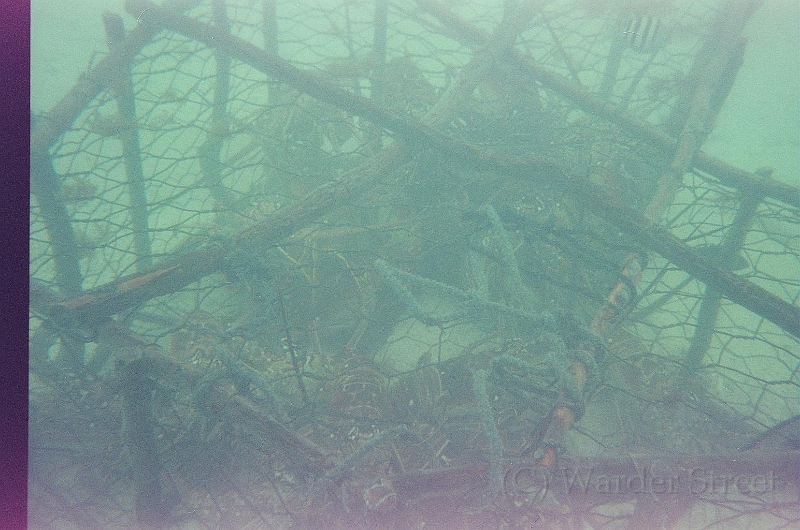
(726, 173)
(127, 292)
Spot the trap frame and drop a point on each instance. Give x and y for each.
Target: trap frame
(389, 264)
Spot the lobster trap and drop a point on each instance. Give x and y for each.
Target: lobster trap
(408, 265)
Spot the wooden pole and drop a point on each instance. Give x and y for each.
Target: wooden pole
(178, 272)
(726, 173)
(131, 150)
(60, 118)
(210, 150)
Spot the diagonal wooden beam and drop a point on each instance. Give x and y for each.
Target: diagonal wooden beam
(96, 305)
(726, 173)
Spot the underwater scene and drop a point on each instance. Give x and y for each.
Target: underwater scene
(413, 264)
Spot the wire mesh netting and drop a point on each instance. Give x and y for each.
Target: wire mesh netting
(409, 265)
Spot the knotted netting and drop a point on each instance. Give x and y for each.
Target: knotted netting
(406, 265)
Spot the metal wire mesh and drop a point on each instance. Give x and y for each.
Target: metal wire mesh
(377, 291)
